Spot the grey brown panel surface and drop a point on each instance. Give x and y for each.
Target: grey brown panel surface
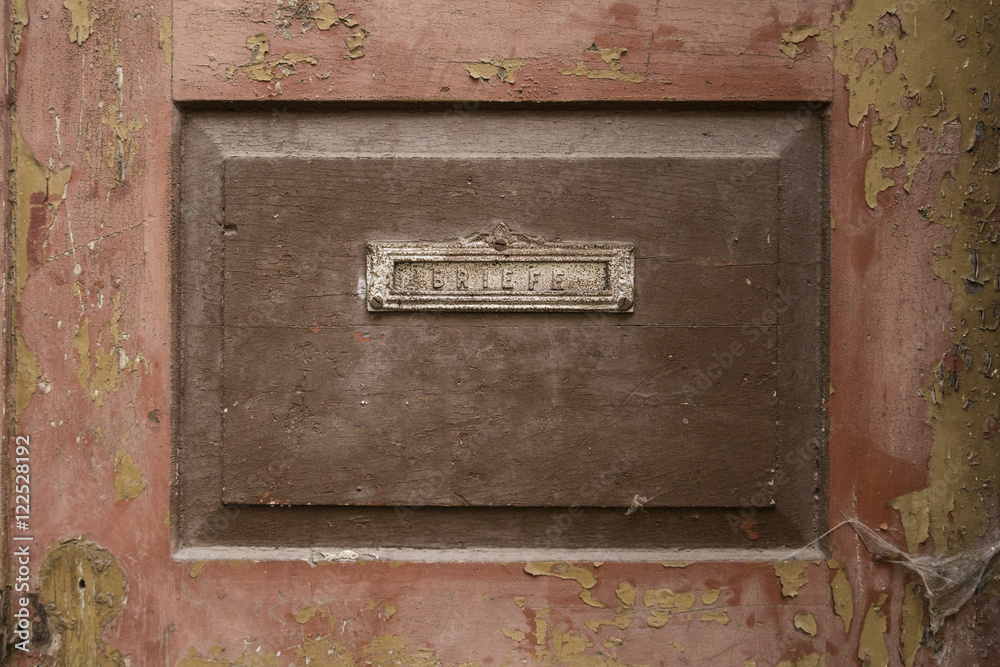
(294, 391)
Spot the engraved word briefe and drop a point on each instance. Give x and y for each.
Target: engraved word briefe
(501, 270)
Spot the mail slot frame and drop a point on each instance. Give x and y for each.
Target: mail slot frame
(210, 139)
(501, 247)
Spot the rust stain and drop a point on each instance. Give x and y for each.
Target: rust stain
(747, 528)
(842, 593)
(792, 576)
(165, 24)
(82, 589)
(501, 68)
(805, 622)
(562, 570)
(615, 70)
(872, 647)
(912, 630)
(258, 68)
(83, 20)
(128, 477)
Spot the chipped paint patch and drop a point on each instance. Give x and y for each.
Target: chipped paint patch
(165, 24)
(38, 193)
(912, 630)
(710, 596)
(305, 615)
(872, 647)
(19, 17)
(82, 589)
(325, 15)
(390, 649)
(589, 599)
(81, 343)
(792, 576)
(676, 563)
(842, 593)
(615, 70)
(514, 635)
(915, 516)
(258, 68)
(355, 43)
(621, 622)
(562, 570)
(26, 376)
(503, 69)
(811, 660)
(196, 568)
(299, 16)
(626, 593)
(83, 20)
(104, 371)
(128, 477)
(720, 617)
(667, 604)
(121, 151)
(805, 622)
(790, 40)
(919, 72)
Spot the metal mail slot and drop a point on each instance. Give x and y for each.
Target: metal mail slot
(501, 271)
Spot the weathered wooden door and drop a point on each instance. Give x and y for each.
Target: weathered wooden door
(762, 432)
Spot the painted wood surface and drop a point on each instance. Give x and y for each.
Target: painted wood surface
(517, 51)
(88, 330)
